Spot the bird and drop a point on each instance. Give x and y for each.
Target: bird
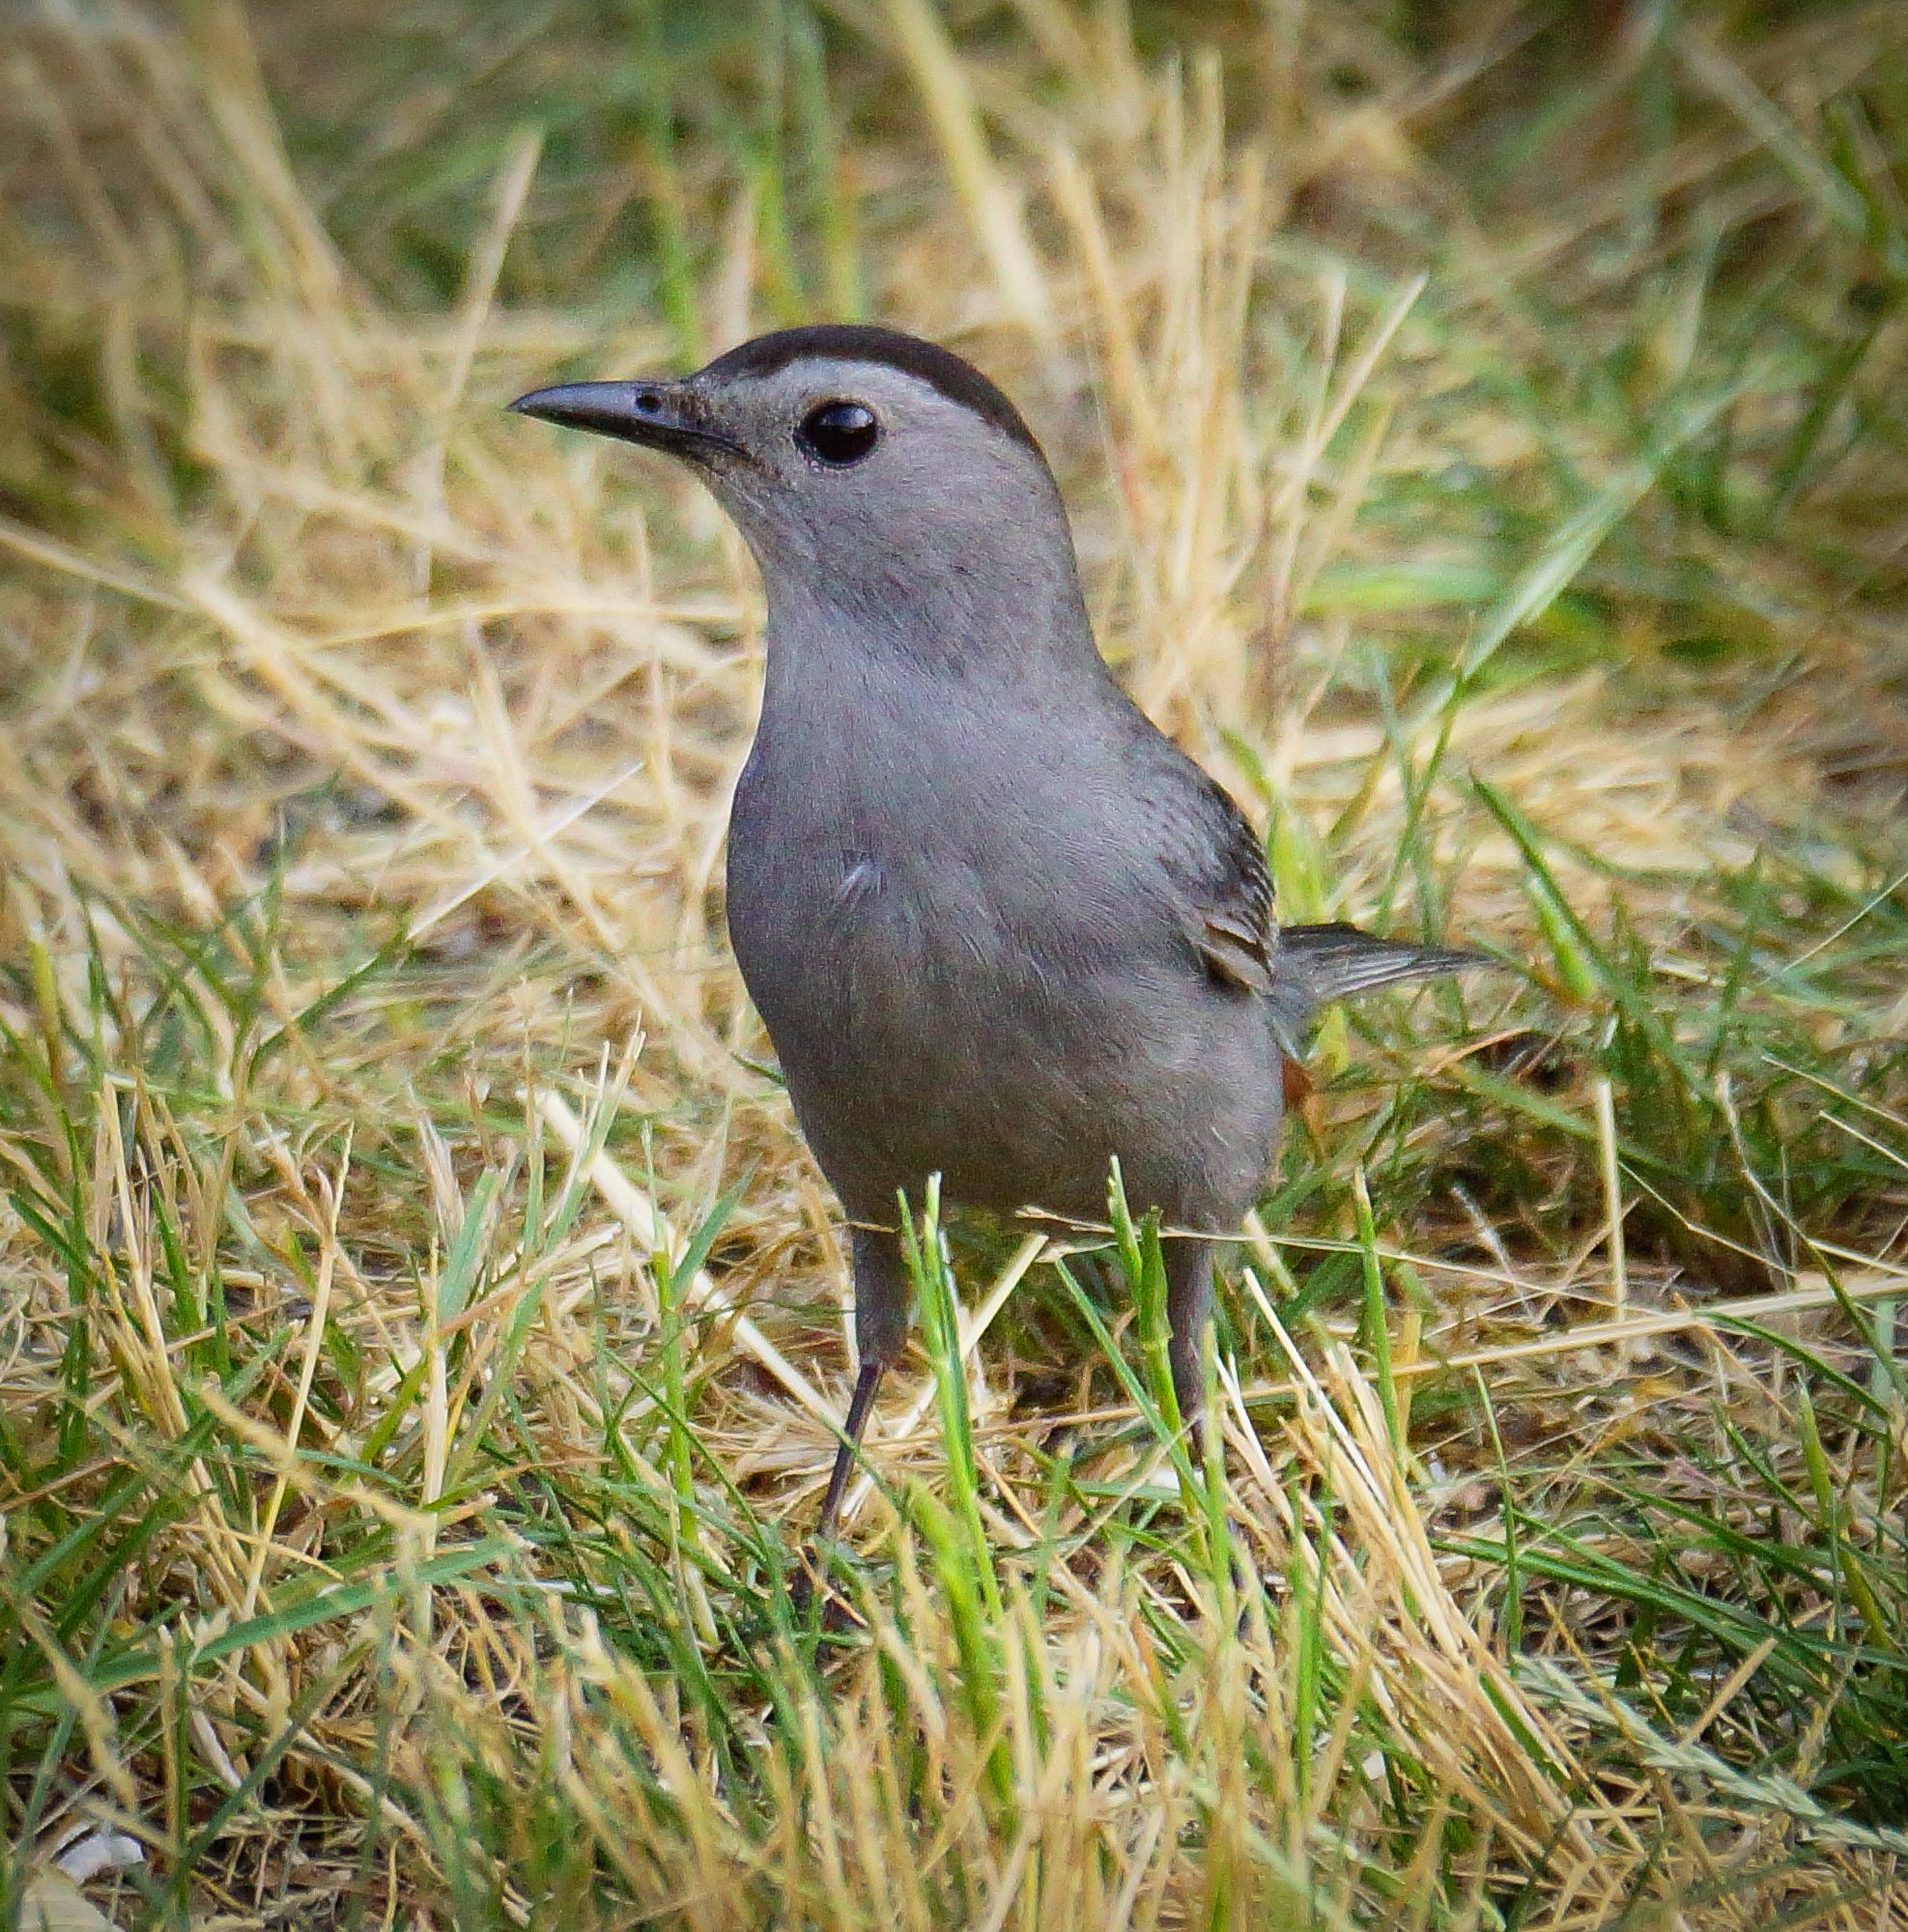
(999, 928)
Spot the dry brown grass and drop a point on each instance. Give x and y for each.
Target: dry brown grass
(375, 1052)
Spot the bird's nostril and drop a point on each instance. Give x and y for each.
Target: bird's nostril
(648, 401)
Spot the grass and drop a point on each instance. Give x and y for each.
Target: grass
(421, 1333)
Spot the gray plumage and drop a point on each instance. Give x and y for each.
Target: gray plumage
(998, 926)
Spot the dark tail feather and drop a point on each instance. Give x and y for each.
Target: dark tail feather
(1318, 964)
(1338, 960)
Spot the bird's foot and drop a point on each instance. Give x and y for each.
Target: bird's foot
(812, 1588)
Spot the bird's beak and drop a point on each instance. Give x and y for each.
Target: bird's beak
(657, 414)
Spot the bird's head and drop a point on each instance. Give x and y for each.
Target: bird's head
(868, 470)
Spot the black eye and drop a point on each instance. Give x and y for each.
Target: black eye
(838, 433)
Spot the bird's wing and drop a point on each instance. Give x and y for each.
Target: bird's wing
(1223, 888)
(1224, 885)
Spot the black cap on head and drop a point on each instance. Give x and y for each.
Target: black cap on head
(861, 342)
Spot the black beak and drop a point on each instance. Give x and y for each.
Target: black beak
(656, 414)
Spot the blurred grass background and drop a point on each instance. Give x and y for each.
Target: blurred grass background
(419, 1324)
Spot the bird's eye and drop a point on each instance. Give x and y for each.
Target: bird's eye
(838, 433)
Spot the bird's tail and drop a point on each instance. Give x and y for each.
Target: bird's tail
(1318, 964)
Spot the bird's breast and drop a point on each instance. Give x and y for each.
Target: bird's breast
(839, 930)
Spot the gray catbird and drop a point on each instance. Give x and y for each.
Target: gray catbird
(999, 927)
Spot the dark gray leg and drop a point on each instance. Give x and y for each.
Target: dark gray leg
(883, 1294)
(866, 1381)
(881, 1320)
(1189, 1308)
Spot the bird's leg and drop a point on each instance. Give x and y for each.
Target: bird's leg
(866, 1381)
(1188, 1309)
(881, 1311)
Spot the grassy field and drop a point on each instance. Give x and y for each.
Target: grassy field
(421, 1329)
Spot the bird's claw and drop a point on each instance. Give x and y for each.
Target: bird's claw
(810, 1584)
